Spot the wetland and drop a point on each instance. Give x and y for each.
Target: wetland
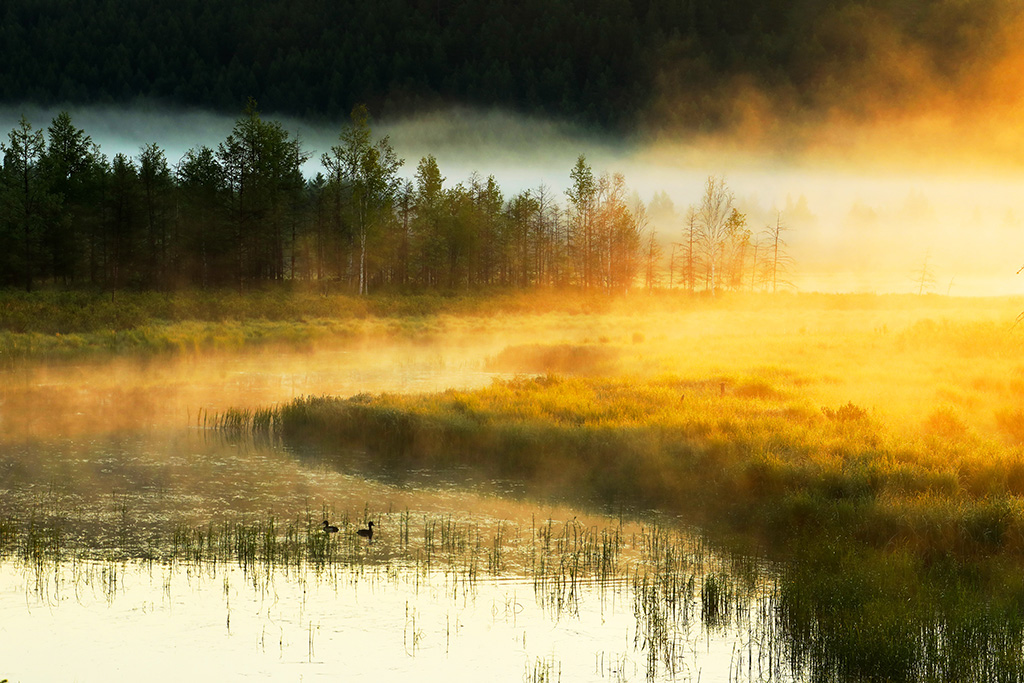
(630, 489)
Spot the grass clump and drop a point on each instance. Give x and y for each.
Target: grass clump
(739, 460)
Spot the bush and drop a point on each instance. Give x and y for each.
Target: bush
(847, 413)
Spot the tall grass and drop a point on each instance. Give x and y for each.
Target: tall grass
(775, 466)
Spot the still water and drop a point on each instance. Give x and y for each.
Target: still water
(112, 467)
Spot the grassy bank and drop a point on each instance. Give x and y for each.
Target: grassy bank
(901, 549)
(68, 312)
(748, 454)
(75, 324)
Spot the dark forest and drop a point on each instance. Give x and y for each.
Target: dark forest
(613, 64)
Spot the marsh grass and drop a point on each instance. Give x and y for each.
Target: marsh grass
(564, 561)
(869, 443)
(57, 324)
(900, 546)
(762, 461)
(543, 670)
(835, 613)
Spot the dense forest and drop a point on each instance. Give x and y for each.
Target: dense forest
(616, 64)
(243, 215)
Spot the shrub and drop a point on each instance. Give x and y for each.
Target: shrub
(847, 413)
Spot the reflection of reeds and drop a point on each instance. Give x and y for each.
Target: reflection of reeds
(868, 616)
(543, 670)
(834, 615)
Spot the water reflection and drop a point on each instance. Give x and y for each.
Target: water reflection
(461, 594)
(160, 540)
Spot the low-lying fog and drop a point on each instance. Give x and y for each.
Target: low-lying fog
(855, 221)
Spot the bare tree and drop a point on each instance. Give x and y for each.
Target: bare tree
(689, 250)
(755, 266)
(924, 277)
(551, 243)
(778, 261)
(672, 265)
(652, 257)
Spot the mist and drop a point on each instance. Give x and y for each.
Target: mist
(863, 211)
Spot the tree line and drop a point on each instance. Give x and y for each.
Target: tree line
(243, 214)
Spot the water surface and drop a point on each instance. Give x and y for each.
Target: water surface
(112, 464)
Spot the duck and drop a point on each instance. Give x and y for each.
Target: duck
(330, 528)
(368, 532)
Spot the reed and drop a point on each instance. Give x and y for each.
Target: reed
(543, 670)
(832, 612)
(874, 617)
(763, 464)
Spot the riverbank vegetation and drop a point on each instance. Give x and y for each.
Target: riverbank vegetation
(874, 448)
(56, 324)
(890, 420)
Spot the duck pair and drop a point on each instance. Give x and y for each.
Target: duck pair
(365, 533)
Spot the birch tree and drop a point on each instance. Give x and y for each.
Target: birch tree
(366, 176)
(712, 225)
